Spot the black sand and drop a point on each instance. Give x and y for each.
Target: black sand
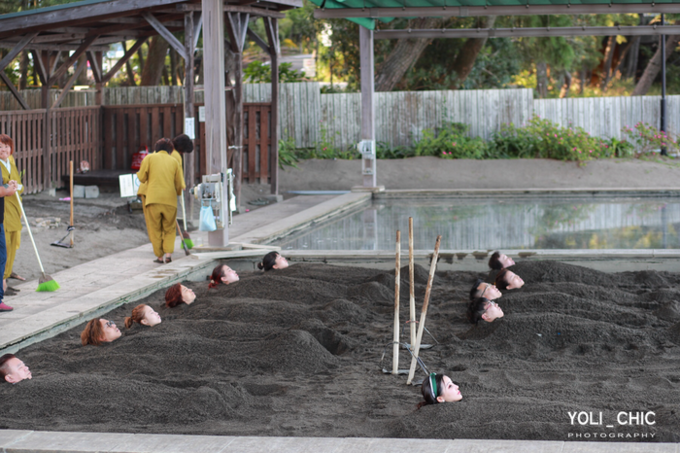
(297, 353)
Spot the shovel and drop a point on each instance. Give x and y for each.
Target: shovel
(71, 228)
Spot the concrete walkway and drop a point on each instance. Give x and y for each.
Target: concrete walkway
(16, 441)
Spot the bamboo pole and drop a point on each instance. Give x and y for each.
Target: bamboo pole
(412, 283)
(423, 314)
(397, 277)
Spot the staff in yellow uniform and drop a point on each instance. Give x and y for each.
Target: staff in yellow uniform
(12, 210)
(164, 184)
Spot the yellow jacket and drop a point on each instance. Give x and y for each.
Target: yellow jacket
(143, 186)
(12, 210)
(164, 179)
(178, 158)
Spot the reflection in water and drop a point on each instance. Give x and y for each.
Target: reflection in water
(479, 224)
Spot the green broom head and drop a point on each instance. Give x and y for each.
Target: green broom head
(47, 284)
(188, 243)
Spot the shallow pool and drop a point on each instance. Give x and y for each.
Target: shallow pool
(517, 223)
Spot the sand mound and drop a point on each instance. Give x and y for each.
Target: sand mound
(298, 352)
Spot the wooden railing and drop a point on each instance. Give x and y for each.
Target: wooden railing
(75, 136)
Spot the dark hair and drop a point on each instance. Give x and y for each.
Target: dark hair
(164, 144)
(93, 333)
(495, 261)
(216, 276)
(183, 144)
(173, 296)
(476, 309)
(4, 369)
(501, 280)
(136, 316)
(426, 389)
(474, 292)
(268, 262)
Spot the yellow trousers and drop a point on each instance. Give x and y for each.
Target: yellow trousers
(160, 225)
(12, 241)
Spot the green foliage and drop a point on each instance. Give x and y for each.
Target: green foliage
(258, 72)
(541, 138)
(385, 151)
(451, 142)
(648, 138)
(288, 153)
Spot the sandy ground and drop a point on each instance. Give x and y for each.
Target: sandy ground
(297, 352)
(103, 225)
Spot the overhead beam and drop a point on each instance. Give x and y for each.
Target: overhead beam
(253, 11)
(53, 47)
(638, 30)
(237, 27)
(259, 41)
(16, 50)
(165, 33)
(68, 85)
(72, 59)
(128, 53)
(524, 10)
(14, 91)
(83, 12)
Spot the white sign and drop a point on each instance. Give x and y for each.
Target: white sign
(190, 128)
(201, 114)
(129, 184)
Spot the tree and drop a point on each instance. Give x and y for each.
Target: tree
(155, 62)
(654, 66)
(465, 60)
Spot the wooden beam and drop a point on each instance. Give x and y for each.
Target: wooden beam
(129, 53)
(68, 85)
(72, 59)
(198, 24)
(99, 86)
(94, 64)
(14, 91)
(259, 41)
(271, 26)
(40, 67)
(169, 37)
(54, 47)
(53, 66)
(57, 37)
(237, 27)
(80, 12)
(260, 12)
(16, 50)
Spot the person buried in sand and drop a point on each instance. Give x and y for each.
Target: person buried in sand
(12, 222)
(165, 182)
(500, 261)
(439, 388)
(222, 274)
(482, 289)
(144, 315)
(99, 331)
(272, 260)
(13, 370)
(506, 279)
(178, 294)
(484, 309)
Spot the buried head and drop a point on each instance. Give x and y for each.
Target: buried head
(506, 279)
(222, 274)
(178, 294)
(273, 260)
(439, 388)
(500, 261)
(483, 289)
(144, 315)
(99, 331)
(484, 309)
(13, 370)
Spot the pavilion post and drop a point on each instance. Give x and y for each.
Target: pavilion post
(272, 28)
(367, 144)
(663, 125)
(46, 104)
(215, 112)
(189, 126)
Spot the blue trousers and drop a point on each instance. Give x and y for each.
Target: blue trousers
(3, 257)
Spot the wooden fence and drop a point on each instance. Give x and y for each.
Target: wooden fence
(76, 136)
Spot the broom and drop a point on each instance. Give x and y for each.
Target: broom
(185, 235)
(45, 283)
(184, 245)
